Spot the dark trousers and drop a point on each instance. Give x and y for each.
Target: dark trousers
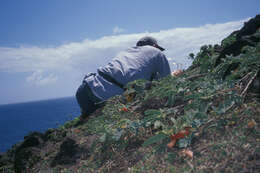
(87, 101)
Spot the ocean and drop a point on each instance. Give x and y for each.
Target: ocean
(18, 120)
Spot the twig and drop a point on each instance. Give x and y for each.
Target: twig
(203, 126)
(245, 76)
(249, 83)
(209, 121)
(230, 106)
(241, 81)
(196, 76)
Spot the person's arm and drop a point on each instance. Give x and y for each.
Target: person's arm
(163, 66)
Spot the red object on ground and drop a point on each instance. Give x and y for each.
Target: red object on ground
(124, 109)
(178, 136)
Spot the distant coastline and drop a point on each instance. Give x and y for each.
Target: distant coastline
(40, 100)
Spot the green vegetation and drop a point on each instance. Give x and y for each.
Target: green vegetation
(211, 110)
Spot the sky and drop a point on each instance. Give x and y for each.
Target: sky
(47, 46)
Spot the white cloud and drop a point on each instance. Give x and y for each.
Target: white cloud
(118, 30)
(39, 79)
(79, 58)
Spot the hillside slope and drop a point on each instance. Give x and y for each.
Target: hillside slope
(206, 120)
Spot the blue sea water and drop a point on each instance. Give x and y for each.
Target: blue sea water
(18, 120)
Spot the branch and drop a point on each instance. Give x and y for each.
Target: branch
(248, 74)
(196, 76)
(249, 83)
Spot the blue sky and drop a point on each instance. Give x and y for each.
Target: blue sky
(46, 46)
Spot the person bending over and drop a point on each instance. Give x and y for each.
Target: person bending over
(144, 61)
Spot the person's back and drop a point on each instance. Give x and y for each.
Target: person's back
(137, 63)
(140, 62)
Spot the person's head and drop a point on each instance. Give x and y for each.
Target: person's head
(147, 40)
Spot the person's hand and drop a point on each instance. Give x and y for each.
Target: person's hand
(177, 73)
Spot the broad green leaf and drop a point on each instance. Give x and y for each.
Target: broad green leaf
(158, 124)
(154, 139)
(117, 135)
(103, 138)
(151, 115)
(184, 142)
(152, 112)
(196, 123)
(173, 120)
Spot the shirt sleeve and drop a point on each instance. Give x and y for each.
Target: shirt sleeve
(163, 67)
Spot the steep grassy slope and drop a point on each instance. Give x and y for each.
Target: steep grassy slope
(206, 120)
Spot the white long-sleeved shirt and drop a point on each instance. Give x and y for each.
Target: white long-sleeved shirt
(141, 62)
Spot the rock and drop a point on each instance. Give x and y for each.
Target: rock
(25, 158)
(28, 153)
(243, 37)
(54, 135)
(250, 27)
(67, 153)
